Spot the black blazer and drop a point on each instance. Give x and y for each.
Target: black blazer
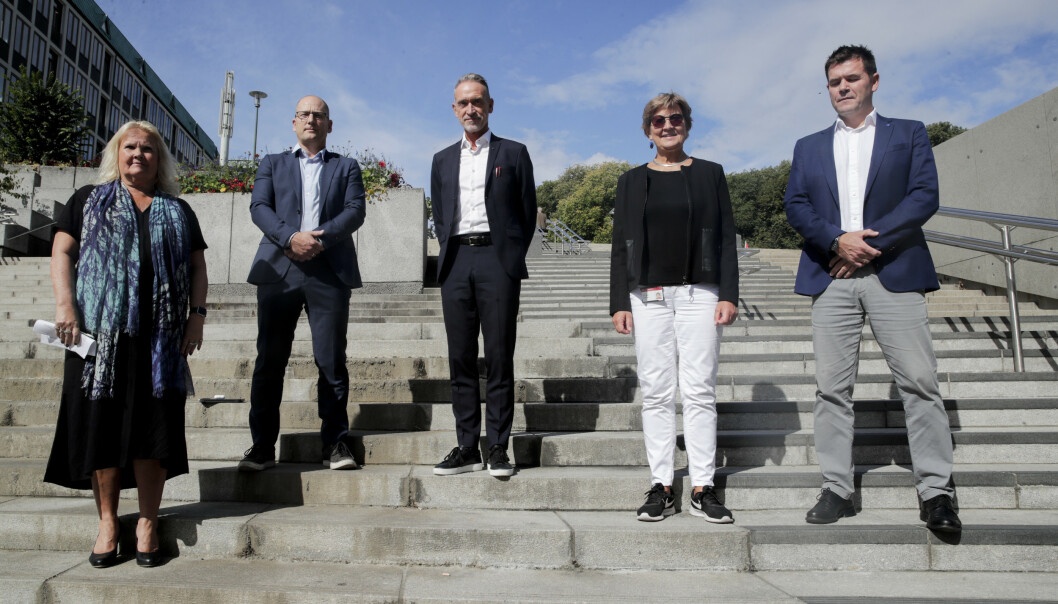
(711, 232)
(510, 202)
(275, 207)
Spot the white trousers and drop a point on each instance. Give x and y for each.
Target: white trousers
(679, 329)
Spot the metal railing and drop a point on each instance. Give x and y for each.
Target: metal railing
(1006, 251)
(560, 239)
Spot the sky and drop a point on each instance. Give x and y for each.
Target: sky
(570, 77)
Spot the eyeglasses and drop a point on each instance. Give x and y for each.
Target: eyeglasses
(676, 119)
(307, 115)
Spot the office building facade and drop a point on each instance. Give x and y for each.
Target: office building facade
(75, 41)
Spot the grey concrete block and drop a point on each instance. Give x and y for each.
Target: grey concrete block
(618, 540)
(23, 574)
(85, 176)
(434, 537)
(391, 244)
(225, 581)
(56, 177)
(214, 213)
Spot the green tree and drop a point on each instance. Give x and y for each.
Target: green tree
(583, 198)
(941, 131)
(42, 120)
(756, 200)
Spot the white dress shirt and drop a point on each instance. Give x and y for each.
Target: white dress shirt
(311, 168)
(473, 168)
(852, 159)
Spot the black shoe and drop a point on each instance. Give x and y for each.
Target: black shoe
(658, 504)
(339, 457)
(830, 507)
(256, 458)
(461, 459)
(149, 559)
(705, 504)
(499, 463)
(939, 515)
(106, 559)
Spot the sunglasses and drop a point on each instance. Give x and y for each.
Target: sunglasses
(676, 119)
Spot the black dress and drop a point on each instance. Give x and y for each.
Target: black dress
(111, 433)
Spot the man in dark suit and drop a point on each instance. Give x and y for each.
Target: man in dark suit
(484, 206)
(859, 192)
(307, 202)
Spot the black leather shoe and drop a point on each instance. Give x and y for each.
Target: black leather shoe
(149, 559)
(830, 507)
(106, 559)
(939, 515)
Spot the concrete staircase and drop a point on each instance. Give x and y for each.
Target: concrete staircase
(562, 529)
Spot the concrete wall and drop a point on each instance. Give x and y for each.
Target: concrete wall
(391, 245)
(1008, 164)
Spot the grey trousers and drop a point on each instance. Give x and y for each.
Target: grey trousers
(900, 325)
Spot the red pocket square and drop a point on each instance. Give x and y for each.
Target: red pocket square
(498, 171)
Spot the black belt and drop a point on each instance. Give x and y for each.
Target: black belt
(475, 240)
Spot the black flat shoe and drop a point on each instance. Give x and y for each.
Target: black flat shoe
(149, 559)
(106, 559)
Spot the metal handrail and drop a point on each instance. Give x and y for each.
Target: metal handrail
(1006, 251)
(571, 242)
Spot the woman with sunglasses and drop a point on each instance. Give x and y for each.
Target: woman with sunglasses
(674, 283)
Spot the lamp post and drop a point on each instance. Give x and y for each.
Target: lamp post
(257, 96)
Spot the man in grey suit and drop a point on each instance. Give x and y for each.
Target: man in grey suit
(859, 192)
(307, 202)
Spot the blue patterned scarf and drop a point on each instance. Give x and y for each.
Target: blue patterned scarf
(108, 274)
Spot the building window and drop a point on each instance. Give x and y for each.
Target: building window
(56, 24)
(5, 31)
(73, 26)
(97, 59)
(40, 19)
(83, 46)
(20, 44)
(39, 53)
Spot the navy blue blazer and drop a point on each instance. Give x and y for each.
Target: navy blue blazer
(901, 196)
(510, 202)
(275, 207)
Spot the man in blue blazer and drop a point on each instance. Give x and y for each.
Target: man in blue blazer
(307, 202)
(484, 209)
(859, 192)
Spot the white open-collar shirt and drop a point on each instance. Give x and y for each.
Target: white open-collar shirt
(852, 159)
(473, 165)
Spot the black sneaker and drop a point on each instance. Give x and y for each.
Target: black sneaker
(339, 457)
(461, 459)
(705, 504)
(658, 504)
(257, 458)
(499, 463)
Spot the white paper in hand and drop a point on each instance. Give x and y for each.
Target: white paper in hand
(86, 347)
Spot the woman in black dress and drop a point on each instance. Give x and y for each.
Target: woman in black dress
(127, 260)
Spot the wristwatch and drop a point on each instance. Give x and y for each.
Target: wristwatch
(199, 310)
(834, 244)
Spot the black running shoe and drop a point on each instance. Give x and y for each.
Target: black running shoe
(705, 504)
(339, 457)
(499, 463)
(658, 504)
(257, 458)
(461, 459)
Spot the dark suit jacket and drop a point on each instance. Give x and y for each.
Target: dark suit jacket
(275, 207)
(710, 235)
(901, 195)
(510, 202)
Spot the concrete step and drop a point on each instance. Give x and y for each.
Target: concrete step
(571, 449)
(582, 417)
(586, 389)
(877, 540)
(980, 486)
